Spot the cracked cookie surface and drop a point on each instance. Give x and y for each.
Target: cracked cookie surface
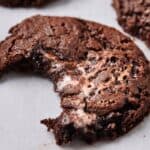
(134, 17)
(101, 76)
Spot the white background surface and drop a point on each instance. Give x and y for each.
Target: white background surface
(26, 99)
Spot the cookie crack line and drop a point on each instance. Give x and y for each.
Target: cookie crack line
(101, 76)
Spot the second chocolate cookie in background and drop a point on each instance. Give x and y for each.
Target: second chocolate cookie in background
(24, 3)
(134, 17)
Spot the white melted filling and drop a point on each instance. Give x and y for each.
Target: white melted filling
(79, 118)
(67, 80)
(82, 119)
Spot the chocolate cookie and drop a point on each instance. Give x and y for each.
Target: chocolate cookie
(25, 3)
(100, 74)
(134, 17)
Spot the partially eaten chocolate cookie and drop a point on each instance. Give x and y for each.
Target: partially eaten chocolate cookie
(102, 77)
(134, 17)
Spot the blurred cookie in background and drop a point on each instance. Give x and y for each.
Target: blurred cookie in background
(24, 3)
(134, 17)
